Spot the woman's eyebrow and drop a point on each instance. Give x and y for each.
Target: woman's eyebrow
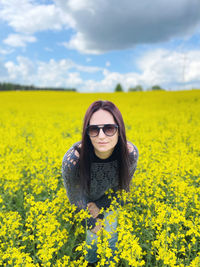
(101, 124)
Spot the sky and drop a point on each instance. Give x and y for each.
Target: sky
(92, 45)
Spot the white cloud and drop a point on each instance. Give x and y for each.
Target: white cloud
(170, 70)
(192, 66)
(108, 64)
(48, 49)
(87, 68)
(74, 79)
(77, 5)
(22, 71)
(63, 73)
(78, 42)
(28, 16)
(3, 72)
(5, 51)
(57, 74)
(16, 40)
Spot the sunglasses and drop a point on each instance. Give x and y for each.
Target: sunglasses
(108, 129)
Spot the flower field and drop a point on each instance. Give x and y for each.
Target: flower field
(160, 226)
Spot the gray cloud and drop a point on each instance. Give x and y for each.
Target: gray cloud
(103, 25)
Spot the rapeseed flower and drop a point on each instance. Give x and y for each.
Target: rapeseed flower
(159, 224)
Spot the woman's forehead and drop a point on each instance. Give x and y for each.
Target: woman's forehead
(102, 117)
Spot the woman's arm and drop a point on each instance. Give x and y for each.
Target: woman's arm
(134, 155)
(71, 182)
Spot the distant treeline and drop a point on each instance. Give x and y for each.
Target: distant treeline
(16, 87)
(137, 88)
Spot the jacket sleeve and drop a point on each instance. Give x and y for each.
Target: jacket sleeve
(134, 155)
(70, 176)
(105, 200)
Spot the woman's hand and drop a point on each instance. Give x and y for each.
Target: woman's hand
(93, 209)
(97, 227)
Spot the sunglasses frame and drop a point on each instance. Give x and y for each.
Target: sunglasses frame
(103, 129)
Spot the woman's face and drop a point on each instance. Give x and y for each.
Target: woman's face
(103, 144)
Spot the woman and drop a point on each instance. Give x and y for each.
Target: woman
(103, 160)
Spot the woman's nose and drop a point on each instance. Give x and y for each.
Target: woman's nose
(101, 133)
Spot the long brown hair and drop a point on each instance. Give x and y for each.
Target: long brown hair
(86, 147)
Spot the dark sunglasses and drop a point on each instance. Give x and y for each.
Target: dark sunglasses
(108, 129)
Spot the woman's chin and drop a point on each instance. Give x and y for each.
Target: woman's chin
(103, 151)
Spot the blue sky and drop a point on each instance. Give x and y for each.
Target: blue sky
(93, 45)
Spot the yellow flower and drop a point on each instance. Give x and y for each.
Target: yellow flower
(160, 220)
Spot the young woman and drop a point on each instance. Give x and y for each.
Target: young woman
(102, 160)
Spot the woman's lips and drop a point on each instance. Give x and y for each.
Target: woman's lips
(102, 143)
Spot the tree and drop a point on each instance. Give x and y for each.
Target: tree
(156, 87)
(136, 88)
(118, 88)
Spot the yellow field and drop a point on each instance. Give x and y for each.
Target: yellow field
(38, 226)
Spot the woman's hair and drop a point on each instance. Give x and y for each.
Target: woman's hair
(86, 147)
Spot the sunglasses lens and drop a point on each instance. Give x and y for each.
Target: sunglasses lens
(93, 131)
(110, 130)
